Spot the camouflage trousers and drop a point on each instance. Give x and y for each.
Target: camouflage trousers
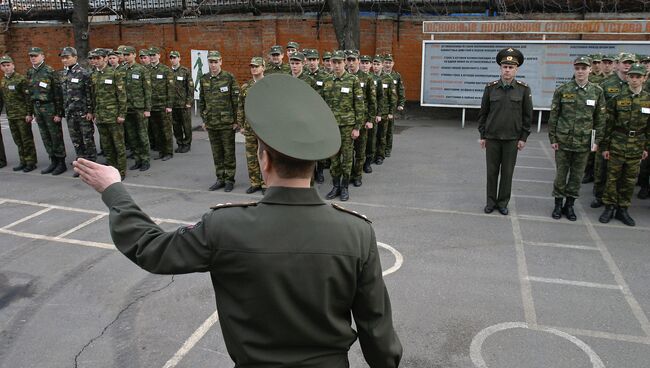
(371, 141)
(389, 136)
(342, 161)
(644, 173)
(621, 177)
(254, 172)
(21, 132)
(51, 132)
(182, 122)
(360, 152)
(382, 135)
(590, 163)
(600, 174)
(136, 125)
(112, 137)
(223, 154)
(572, 165)
(160, 123)
(82, 134)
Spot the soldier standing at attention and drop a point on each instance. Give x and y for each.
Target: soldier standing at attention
(344, 95)
(183, 91)
(218, 104)
(15, 96)
(314, 70)
(77, 102)
(327, 62)
(389, 90)
(275, 65)
(162, 98)
(596, 76)
(145, 58)
(371, 144)
(504, 125)
(109, 109)
(625, 144)
(138, 102)
(297, 65)
(607, 65)
(401, 99)
(578, 107)
(291, 48)
(644, 173)
(254, 173)
(45, 90)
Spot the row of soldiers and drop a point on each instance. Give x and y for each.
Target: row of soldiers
(605, 110)
(139, 105)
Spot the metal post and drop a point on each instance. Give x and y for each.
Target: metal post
(463, 123)
(539, 122)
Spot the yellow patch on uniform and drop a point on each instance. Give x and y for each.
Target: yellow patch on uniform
(229, 205)
(613, 89)
(624, 103)
(354, 213)
(568, 95)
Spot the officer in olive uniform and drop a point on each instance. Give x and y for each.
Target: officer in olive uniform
(625, 144)
(578, 107)
(183, 89)
(288, 286)
(504, 125)
(218, 104)
(275, 64)
(15, 96)
(45, 89)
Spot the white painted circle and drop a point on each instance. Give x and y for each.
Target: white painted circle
(398, 258)
(479, 339)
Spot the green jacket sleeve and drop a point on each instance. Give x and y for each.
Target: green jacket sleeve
(401, 95)
(609, 124)
(120, 89)
(554, 116)
(484, 112)
(202, 105)
(359, 105)
(371, 100)
(147, 90)
(234, 96)
(600, 116)
(190, 89)
(170, 89)
(58, 94)
(527, 114)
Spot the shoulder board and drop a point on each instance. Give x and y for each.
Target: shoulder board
(522, 83)
(229, 205)
(354, 213)
(493, 83)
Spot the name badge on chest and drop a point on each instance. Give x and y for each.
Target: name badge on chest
(591, 102)
(319, 83)
(345, 90)
(180, 78)
(223, 89)
(135, 76)
(12, 88)
(645, 110)
(42, 84)
(363, 84)
(108, 81)
(159, 76)
(384, 85)
(394, 81)
(74, 80)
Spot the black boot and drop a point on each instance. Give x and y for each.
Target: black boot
(589, 177)
(60, 167)
(20, 167)
(643, 193)
(366, 165)
(336, 189)
(53, 162)
(596, 203)
(345, 195)
(557, 211)
(624, 217)
(318, 176)
(568, 209)
(607, 214)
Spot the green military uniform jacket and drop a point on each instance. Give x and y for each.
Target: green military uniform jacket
(45, 87)
(138, 87)
(627, 130)
(15, 96)
(108, 96)
(162, 82)
(344, 96)
(183, 87)
(320, 75)
(506, 111)
(596, 78)
(75, 85)
(646, 85)
(612, 86)
(575, 112)
(287, 287)
(241, 114)
(389, 92)
(304, 76)
(369, 95)
(218, 100)
(399, 85)
(379, 94)
(277, 68)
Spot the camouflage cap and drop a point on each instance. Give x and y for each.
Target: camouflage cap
(68, 51)
(144, 52)
(99, 52)
(297, 56)
(365, 58)
(112, 52)
(297, 122)
(378, 58)
(153, 50)
(609, 57)
(275, 50)
(596, 57)
(625, 56)
(327, 55)
(214, 55)
(257, 61)
(582, 60)
(35, 51)
(312, 54)
(351, 54)
(293, 45)
(128, 50)
(91, 54)
(637, 69)
(6, 59)
(175, 54)
(645, 58)
(388, 56)
(338, 55)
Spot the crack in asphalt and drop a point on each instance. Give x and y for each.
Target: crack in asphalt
(136, 300)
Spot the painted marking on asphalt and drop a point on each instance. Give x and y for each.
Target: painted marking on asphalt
(535, 168)
(522, 268)
(533, 181)
(27, 218)
(559, 245)
(476, 346)
(192, 340)
(85, 243)
(80, 226)
(604, 335)
(531, 156)
(574, 283)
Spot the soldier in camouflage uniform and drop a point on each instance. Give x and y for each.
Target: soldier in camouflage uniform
(387, 109)
(644, 173)
(109, 109)
(275, 65)
(344, 95)
(45, 90)
(370, 117)
(15, 96)
(137, 84)
(297, 64)
(596, 75)
(145, 57)
(292, 47)
(625, 144)
(327, 62)
(218, 102)
(319, 75)
(254, 173)
(401, 99)
(612, 86)
(183, 90)
(162, 99)
(578, 107)
(113, 59)
(75, 84)
(371, 145)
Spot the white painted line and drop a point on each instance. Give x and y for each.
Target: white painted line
(398, 259)
(533, 148)
(549, 220)
(558, 245)
(522, 268)
(604, 335)
(52, 206)
(58, 240)
(27, 218)
(532, 196)
(574, 283)
(477, 342)
(192, 340)
(533, 181)
(535, 168)
(80, 226)
(531, 156)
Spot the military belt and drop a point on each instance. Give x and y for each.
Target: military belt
(629, 133)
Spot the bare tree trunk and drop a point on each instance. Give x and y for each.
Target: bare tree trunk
(345, 17)
(80, 28)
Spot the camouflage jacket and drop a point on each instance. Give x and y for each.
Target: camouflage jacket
(379, 93)
(241, 115)
(108, 96)
(308, 79)
(137, 84)
(575, 112)
(596, 78)
(506, 111)
(646, 85)
(162, 87)
(627, 129)
(345, 97)
(44, 86)
(612, 86)
(389, 93)
(399, 85)
(75, 84)
(369, 95)
(15, 96)
(183, 87)
(277, 68)
(319, 76)
(218, 100)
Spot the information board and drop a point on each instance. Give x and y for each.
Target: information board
(454, 73)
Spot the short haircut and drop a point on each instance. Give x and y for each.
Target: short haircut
(288, 167)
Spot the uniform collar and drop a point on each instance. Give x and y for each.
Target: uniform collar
(292, 196)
